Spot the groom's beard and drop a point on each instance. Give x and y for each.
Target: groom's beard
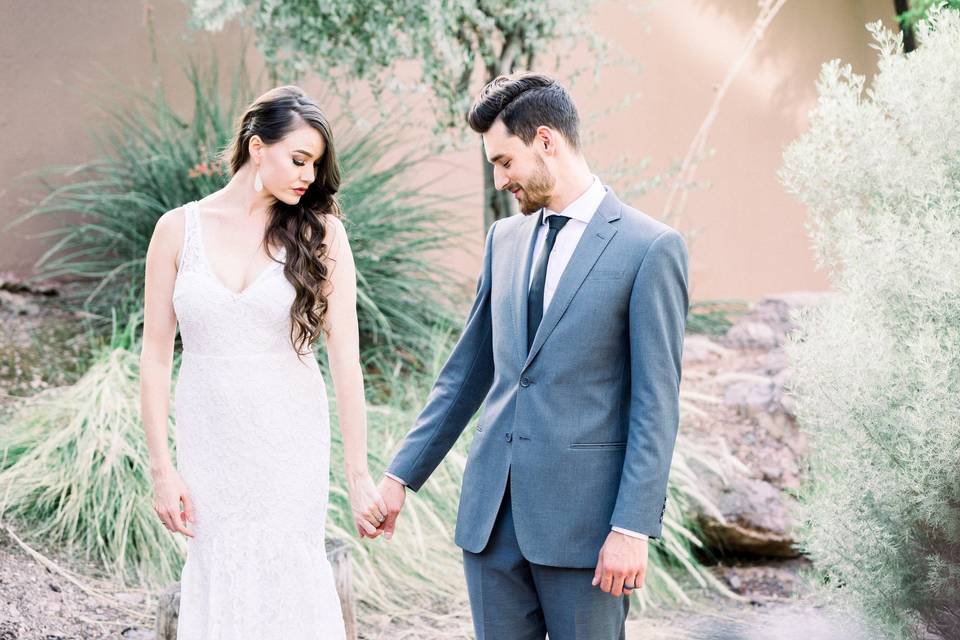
(536, 192)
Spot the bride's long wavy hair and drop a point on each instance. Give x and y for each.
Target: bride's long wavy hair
(300, 228)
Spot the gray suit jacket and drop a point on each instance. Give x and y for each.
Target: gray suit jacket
(587, 420)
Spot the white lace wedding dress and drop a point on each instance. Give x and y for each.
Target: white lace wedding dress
(253, 447)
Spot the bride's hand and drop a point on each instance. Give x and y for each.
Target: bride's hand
(369, 509)
(169, 490)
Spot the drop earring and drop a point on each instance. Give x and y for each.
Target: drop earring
(257, 182)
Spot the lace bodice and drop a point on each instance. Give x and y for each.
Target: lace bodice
(217, 321)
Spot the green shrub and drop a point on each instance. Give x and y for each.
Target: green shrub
(877, 368)
(154, 160)
(74, 468)
(714, 317)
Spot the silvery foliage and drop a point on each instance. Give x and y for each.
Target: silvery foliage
(451, 39)
(877, 369)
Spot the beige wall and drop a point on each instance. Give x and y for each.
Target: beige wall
(751, 239)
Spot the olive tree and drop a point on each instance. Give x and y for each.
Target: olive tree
(452, 40)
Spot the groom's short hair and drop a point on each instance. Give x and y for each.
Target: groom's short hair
(525, 101)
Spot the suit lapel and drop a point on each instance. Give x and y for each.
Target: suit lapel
(523, 246)
(594, 240)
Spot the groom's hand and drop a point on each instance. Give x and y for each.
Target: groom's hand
(393, 493)
(622, 560)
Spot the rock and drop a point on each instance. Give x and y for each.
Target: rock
(751, 396)
(751, 335)
(770, 321)
(777, 425)
(774, 362)
(700, 348)
(18, 304)
(9, 281)
(783, 400)
(771, 473)
(780, 580)
(755, 520)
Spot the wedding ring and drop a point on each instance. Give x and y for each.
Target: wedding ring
(628, 586)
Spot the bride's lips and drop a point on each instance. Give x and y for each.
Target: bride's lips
(300, 191)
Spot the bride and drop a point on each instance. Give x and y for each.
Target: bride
(254, 274)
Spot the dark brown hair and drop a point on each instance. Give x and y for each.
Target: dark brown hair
(525, 101)
(300, 228)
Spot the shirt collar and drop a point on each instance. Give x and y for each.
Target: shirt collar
(584, 206)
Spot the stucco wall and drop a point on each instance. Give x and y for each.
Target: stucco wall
(750, 236)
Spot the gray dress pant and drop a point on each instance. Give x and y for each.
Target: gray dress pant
(513, 599)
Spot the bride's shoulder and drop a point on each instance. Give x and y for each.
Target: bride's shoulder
(171, 223)
(168, 232)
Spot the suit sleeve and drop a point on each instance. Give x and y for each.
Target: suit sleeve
(460, 389)
(657, 321)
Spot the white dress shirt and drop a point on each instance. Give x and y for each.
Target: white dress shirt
(580, 212)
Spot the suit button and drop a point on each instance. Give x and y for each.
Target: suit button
(524, 381)
(509, 436)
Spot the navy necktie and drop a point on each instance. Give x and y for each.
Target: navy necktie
(535, 299)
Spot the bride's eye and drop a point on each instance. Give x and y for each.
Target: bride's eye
(299, 163)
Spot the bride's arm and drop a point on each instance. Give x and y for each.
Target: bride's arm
(343, 352)
(156, 363)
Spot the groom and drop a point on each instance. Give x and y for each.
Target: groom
(573, 347)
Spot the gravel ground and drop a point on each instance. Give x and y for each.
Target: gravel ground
(65, 600)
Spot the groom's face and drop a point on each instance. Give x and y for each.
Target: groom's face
(519, 168)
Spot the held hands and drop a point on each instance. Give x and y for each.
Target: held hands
(622, 561)
(369, 510)
(394, 494)
(169, 490)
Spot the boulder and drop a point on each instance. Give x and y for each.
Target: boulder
(750, 395)
(747, 334)
(699, 349)
(770, 321)
(755, 521)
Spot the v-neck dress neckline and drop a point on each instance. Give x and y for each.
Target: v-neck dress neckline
(209, 266)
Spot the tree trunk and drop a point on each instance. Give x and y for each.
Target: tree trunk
(496, 204)
(909, 43)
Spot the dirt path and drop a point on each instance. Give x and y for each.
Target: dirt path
(772, 620)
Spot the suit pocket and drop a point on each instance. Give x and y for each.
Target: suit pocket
(598, 445)
(605, 274)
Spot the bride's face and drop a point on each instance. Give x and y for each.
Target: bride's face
(290, 165)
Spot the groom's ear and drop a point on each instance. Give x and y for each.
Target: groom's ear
(546, 140)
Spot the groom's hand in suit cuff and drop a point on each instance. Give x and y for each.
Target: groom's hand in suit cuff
(622, 560)
(393, 490)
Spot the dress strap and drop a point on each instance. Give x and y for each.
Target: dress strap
(190, 253)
